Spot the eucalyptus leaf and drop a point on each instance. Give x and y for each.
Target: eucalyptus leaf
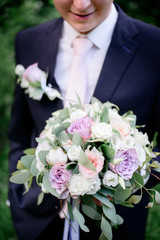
(102, 237)
(104, 115)
(80, 220)
(20, 165)
(21, 177)
(84, 161)
(27, 160)
(40, 198)
(107, 151)
(121, 194)
(64, 114)
(42, 156)
(106, 228)
(139, 179)
(29, 151)
(70, 211)
(110, 213)
(88, 200)
(91, 212)
(103, 199)
(106, 192)
(77, 140)
(135, 199)
(34, 170)
(62, 127)
(48, 186)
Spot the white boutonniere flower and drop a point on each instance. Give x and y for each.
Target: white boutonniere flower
(34, 81)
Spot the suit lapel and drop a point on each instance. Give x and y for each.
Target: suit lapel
(50, 49)
(118, 58)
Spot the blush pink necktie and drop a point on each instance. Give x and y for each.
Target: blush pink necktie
(77, 83)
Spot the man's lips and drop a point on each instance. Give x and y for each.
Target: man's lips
(82, 15)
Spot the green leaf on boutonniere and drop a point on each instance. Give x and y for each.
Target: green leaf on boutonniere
(102, 237)
(77, 140)
(80, 220)
(84, 161)
(27, 160)
(42, 156)
(106, 228)
(48, 186)
(35, 84)
(104, 115)
(40, 198)
(91, 212)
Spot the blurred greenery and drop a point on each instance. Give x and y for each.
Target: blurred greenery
(19, 14)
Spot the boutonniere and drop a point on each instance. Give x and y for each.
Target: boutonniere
(34, 81)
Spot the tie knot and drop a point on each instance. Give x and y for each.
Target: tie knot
(82, 45)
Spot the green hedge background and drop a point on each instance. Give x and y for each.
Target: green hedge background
(19, 14)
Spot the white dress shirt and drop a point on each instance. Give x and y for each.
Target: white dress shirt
(100, 36)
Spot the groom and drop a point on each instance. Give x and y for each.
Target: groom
(123, 67)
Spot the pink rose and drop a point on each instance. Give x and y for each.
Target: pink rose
(128, 165)
(33, 73)
(58, 178)
(82, 126)
(97, 160)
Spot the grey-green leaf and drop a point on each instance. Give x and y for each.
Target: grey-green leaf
(91, 212)
(84, 161)
(106, 228)
(27, 160)
(21, 177)
(48, 186)
(80, 220)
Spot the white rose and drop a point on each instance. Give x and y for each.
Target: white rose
(127, 142)
(56, 156)
(113, 114)
(140, 153)
(141, 138)
(94, 185)
(77, 114)
(115, 141)
(73, 152)
(121, 126)
(101, 131)
(78, 185)
(110, 179)
(19, 70)
(48, 133)
(44, 146)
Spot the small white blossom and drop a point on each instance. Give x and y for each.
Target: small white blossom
(78, 185)
(73, 152)
(141, 138)
(19, 70)
(56, 156)
(110, 179)
(77, 114)
(94, 185)
(44, 146)
(101, 130)
(140, 153)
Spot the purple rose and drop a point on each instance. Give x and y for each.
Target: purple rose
(82, 126)
(128, 165)
(58, 178)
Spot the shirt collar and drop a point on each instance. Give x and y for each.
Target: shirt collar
(98, 36)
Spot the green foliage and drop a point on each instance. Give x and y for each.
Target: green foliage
(15, 16)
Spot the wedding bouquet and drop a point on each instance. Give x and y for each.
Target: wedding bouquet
(94, 155)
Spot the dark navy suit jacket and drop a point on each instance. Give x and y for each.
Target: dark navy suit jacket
(130, 78)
